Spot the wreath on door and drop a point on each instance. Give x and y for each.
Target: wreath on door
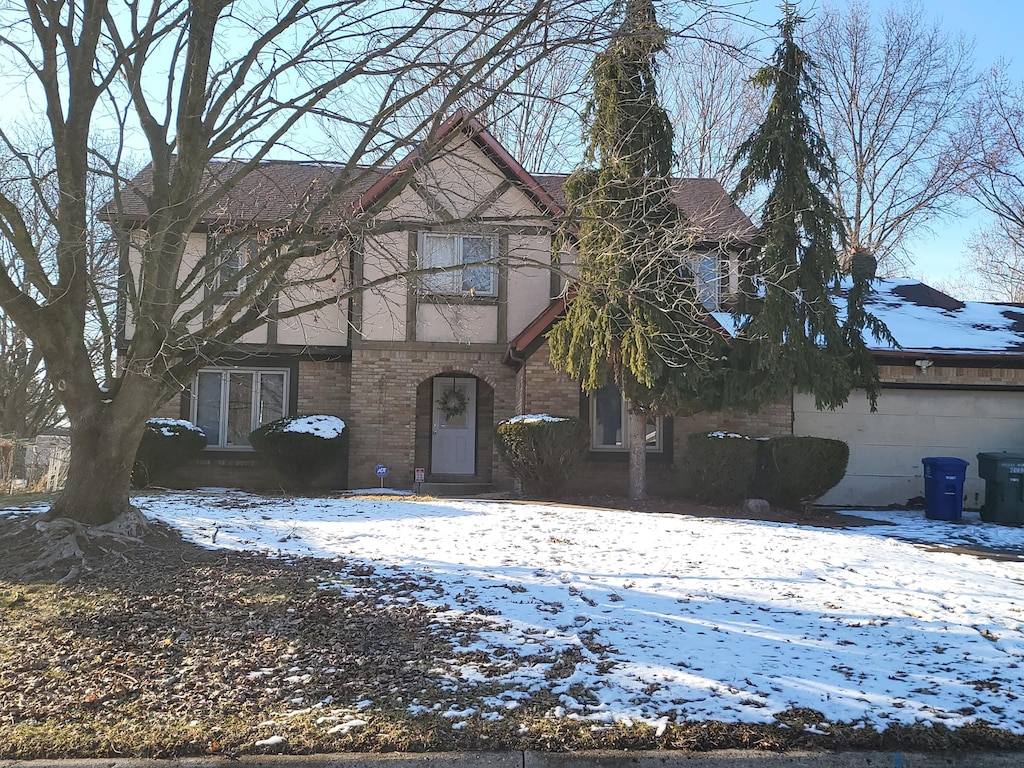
(452, 402)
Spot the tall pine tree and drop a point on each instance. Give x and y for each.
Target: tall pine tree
(789, 330)
(635, 318)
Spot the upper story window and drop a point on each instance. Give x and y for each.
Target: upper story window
(708, 275)
(609, 426)
(228, 404)
(467, 255)
(231, 254)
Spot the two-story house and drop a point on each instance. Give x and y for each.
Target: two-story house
(422, 368)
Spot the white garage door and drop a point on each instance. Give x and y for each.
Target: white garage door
(886, 447)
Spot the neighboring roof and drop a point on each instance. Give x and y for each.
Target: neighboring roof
(924, 321)
(927, 322)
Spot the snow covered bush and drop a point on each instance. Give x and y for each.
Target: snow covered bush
(795, 470)
(166, 444)
(542, 450)
(719, 466)
(302, 448)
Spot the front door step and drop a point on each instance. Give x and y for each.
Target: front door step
(453, 489)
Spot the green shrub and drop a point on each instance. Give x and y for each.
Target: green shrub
(542, 450)
(719, 466)
(166, 444)
(302, 448)
(794, 470)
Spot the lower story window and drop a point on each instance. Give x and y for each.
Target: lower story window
(229, 404)
(609, 422)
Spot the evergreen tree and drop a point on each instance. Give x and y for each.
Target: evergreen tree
(635, 318)
(789, 330)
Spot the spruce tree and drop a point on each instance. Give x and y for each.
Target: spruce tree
(635, 316)
(789, 329)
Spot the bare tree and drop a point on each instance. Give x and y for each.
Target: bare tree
(27, 402)
(535, 115)
(193, 81)
(709, 92)
(894, 95)
(996, 136)
(994, 266)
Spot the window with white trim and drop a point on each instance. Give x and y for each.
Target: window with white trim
(609, 423)
(470, 252)
(229, 403)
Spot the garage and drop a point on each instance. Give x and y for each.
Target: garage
(914, 421)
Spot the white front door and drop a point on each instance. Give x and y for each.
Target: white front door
(453, 445)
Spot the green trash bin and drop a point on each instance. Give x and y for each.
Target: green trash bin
(1003, 473)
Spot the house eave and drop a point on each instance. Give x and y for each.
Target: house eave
(951, 358)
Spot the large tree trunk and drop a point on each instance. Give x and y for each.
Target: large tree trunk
(103, 447)
(637, 421)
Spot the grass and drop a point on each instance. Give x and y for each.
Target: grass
(167, 650)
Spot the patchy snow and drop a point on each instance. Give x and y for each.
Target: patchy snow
(327, 427)
(272, 741)
(533, 418)
(657, 617)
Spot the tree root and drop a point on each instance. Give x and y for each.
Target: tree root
(62, 550)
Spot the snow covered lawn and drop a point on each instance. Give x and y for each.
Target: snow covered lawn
(658, 618)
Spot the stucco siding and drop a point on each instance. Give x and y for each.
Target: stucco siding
(529, 287)
(457, 323)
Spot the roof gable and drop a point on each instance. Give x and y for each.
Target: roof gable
(461, 121)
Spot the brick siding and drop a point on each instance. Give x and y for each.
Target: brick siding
(951, 375)
(545, 390)
(386, 388)
(324, 387)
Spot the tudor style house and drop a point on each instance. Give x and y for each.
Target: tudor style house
(422, 368)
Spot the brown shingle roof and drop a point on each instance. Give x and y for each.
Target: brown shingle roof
(273, 191)
(704, 202)
(266, 195)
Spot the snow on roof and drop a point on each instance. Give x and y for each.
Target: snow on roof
(921, 318)
(925, 320)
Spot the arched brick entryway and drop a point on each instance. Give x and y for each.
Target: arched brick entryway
(438, 449)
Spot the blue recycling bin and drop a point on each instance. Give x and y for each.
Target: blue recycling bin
(944, 487)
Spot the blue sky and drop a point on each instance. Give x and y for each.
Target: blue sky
(996, 27)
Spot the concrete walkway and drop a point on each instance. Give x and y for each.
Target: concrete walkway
(609, 759)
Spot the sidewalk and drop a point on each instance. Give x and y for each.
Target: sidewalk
(721, 759)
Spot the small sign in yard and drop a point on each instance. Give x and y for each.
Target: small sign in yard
(381, 471)
(421, 474)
